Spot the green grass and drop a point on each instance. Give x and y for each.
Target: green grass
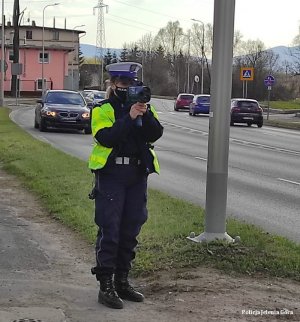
(63, 182)
(284, 123)
(283, 105)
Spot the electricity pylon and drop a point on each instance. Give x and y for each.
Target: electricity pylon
(100, 40)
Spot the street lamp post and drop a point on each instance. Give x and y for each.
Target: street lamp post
(188, 64)
(202, 53)
(43, 46)
(2, 57)
(73, 56)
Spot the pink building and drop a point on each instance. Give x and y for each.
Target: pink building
(60, 68)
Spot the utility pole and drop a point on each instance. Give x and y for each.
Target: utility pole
(16, 44)
(75, 55)
(2, 56)
(219, 117)
(100, 41)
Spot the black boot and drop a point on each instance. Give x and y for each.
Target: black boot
(125, 290)
(107, 293)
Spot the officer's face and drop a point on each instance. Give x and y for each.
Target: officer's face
(122, 83)
(119, 88)
(119, 85)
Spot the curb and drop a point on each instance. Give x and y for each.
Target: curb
(278, 111)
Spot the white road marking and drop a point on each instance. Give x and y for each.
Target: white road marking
(270, 134)
(203, 159)
(289, 181)
(264, 146)
(184, 128)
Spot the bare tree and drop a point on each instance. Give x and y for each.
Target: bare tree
(295, 53)
(251, 51)
(271, 60)
(147, 47)
(171, 38)
(147, 43)
(237, 41)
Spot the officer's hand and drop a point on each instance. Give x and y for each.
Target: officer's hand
(137, 109)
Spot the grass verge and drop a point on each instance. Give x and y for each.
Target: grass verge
(62, 183)
(283, 105)
(284, 123)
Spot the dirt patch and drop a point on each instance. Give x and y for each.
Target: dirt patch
(184, 295)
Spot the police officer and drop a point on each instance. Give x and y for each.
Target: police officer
(122, 159)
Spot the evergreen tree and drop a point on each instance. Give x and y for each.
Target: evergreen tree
(114, 58)
(108, 58)
(124, 54)
(134, 54)
(81, 58)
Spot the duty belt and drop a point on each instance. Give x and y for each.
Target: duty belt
(127, 160)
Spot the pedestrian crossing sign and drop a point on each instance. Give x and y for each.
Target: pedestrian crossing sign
(247, 73)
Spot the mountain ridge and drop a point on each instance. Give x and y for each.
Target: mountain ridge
(284, 52)
(89, 51)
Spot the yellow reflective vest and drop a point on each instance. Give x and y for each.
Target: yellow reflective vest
(103, 117)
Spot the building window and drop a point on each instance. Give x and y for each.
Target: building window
(11, 55)
(55, 35)
(28, 34)
(46, 57)
(39, 84)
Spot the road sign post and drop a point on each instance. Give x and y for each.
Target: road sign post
(196, 79)
(269, 82)
(246, 74)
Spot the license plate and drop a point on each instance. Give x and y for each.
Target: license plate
(68, 121)
(248, 118)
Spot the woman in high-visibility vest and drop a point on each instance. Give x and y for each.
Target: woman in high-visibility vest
(122, 159)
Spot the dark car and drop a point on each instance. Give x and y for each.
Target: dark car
(62, 109)
(183, 101)
(247, 111)
(200, 104)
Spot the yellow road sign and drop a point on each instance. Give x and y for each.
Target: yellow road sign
(247, 74)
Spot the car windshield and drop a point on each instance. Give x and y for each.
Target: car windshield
(64, 98)
(84, 93)
(247, 104)
(186, 97)
(203, 99)
(98, 96)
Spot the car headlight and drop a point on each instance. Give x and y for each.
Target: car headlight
(51, 113)
(86, 115)
(47, 112)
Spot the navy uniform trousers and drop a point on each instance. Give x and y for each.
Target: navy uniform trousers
(120, 212)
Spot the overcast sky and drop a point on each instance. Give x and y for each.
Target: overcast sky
(275, 22)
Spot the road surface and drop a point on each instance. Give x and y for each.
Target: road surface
(263, 173)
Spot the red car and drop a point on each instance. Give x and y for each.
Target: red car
(183, 101)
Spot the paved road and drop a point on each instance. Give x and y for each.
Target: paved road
(263, 179)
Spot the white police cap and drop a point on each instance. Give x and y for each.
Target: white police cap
(124, 69)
